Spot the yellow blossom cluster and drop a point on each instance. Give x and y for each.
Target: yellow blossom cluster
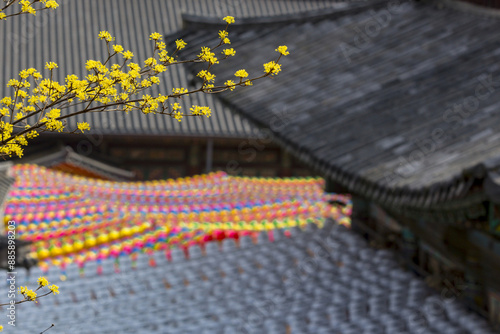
(272, 68)
(207, 76)
(241, 74)
(42, 281)
(27, 293)
(228, 19)
(283, 50)
(200, 111)
(82, 126)
(31, 295)
(40, 103)
(26, 7)
(230, 84)
(208, 56)
(180, 44)
(228, 52)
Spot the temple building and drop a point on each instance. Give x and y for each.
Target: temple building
(397, 104)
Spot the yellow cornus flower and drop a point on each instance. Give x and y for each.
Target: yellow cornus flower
(105, 35)
(180, 44)
(13, 83)
(178, 116)
(51, 4)
(207, 76)
(200, 110)
(42, 281)
(22, 94)
(51, 65)
(155, 80)
(117, 48)
(53, 113)
(283, 50)
(3, 16)
(241, 74)
(207, 87)
(207, 55)
(178, 91)
(26, 7)
(272, 68)
(150, 62)
(4, 112)
(210, 77)
(53, 125)
(18, 116)
(160, 68)
(146, 83)
(176, 106)
(54, 289)
(128, 55)
(223, 34)
(155, 36)
(134, 67)
(230, 84)
(162, 98)
(32, 134)
(228, 19)
(24, 74)
(228, 52)
(83, 126)
(6, 100)
(30, 294)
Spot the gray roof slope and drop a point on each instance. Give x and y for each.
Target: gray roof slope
(6, 181)
(383, 122)
(68, 36)
(352, 289)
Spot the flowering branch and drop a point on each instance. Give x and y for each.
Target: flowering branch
(27, 7)
(32, 296)
(117, 84)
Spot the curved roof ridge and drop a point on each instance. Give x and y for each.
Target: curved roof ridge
(344, 8)
(470, 7)
(395, 95)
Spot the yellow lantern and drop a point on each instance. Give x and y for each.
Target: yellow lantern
(90, 242)
(56, 251)
(78, 245)
(67, 248)
(102, 238)
(114, 235)
(125, 232)
(43, 254)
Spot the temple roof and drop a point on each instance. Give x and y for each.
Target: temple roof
(398, 103)
(6, 181)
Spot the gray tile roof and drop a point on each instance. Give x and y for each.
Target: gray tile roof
(6, 181)
(319, 281)
(68, 36)
(403, 116)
